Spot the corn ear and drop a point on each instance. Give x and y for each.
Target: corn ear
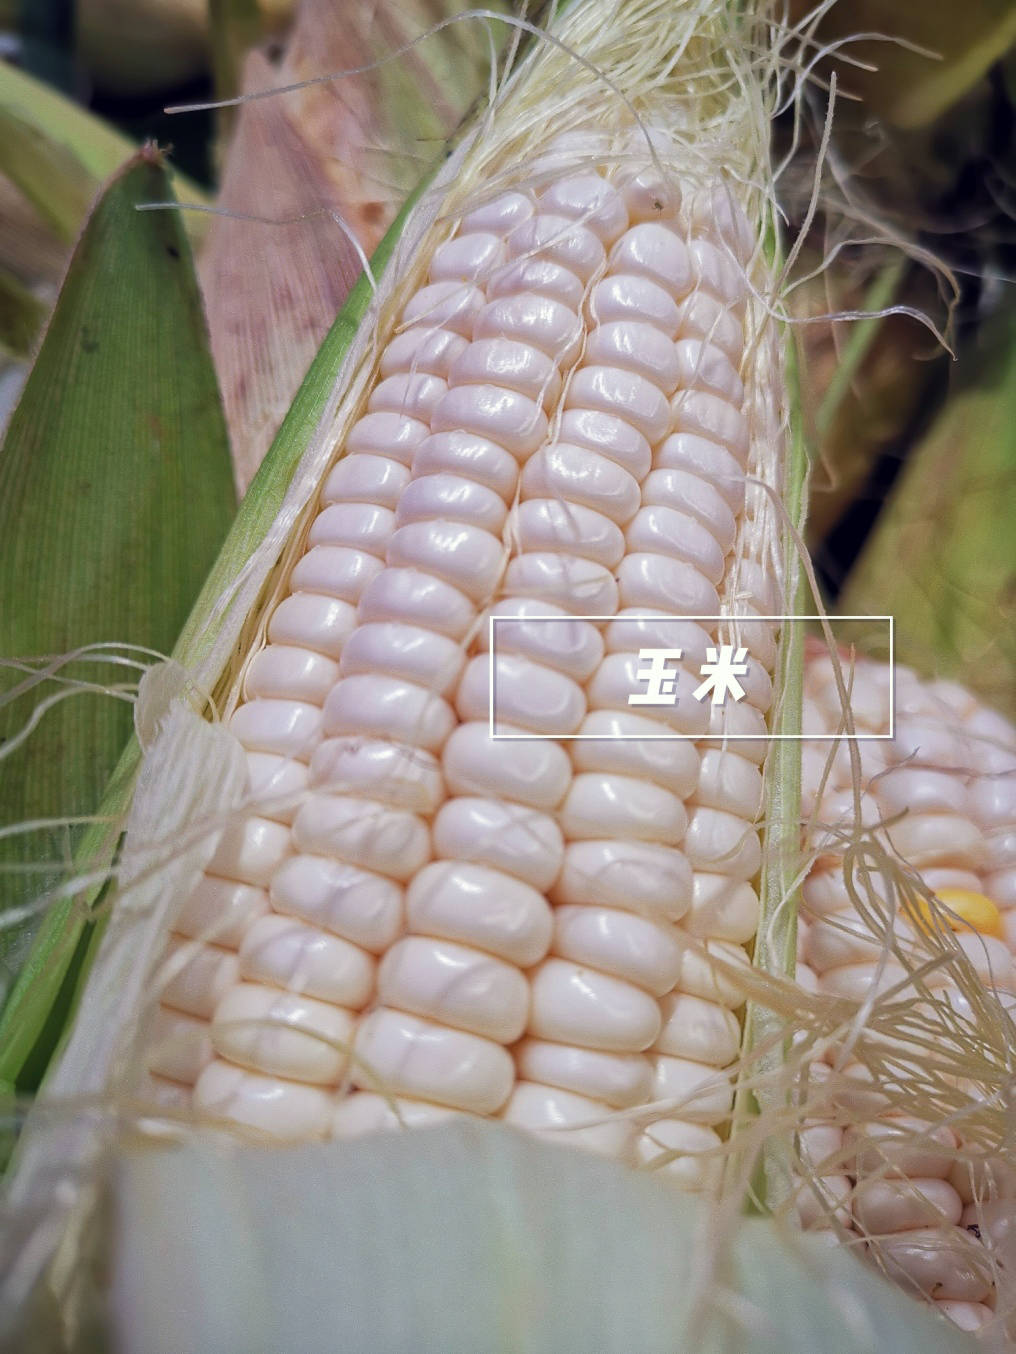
(224, 631)
(228, 622)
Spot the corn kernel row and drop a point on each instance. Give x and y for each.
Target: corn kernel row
(945, 786)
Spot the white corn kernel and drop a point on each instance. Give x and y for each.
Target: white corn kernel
(569, 1119)
(508, 837)
(649, 879)
(883, 1206)
(652, 250)
(289, 728)
(363, 1113)
(279, 1109)
(363, 526)
(520, 692)
(290, 673)
(397, 1053)
(572, 1004)
(282, 952)
(220, 911)
(700, 1093)
(622, 394)
(721, 907)
(627, 746)
(469, 257)
(634, 297)
(622, 944)
(195, 976)
(366, 478)
(698, 1029)
(683, 1152)
(388, 707)
(364, 833)
(391, 433)
(251, 850)
(483, 907)
(939, 1262)
(533, 773)
(450, 304)
(413, 652)
(362, 907)
(616, 1079)
(600, 805)
(579, 475)
(455, 985)
(283, 1034)
(180, 1046)
(462, 453)
(313, 621)
(455, 498)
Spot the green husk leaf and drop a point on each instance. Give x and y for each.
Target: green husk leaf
(49, 174)
(59, 154)
(104, 538)
(39, 1003)
(942, 557)
(880, 294)
(21, 316)
(469, 1236)
(776, 936)
(42, 998)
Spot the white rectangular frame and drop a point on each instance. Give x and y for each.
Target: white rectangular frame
(699, 737)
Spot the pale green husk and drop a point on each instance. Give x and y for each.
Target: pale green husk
(193, 776)
(470, 1237)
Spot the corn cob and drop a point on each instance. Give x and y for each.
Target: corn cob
(945, 787)
(562, 426)
(566, 401)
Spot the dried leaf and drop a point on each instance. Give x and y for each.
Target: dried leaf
(348, 149)
(272, 286)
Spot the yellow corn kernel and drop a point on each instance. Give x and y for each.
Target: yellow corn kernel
(965, 908)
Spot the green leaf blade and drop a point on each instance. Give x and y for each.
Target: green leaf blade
(42, 982)
(115, 495)
(98, 147)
